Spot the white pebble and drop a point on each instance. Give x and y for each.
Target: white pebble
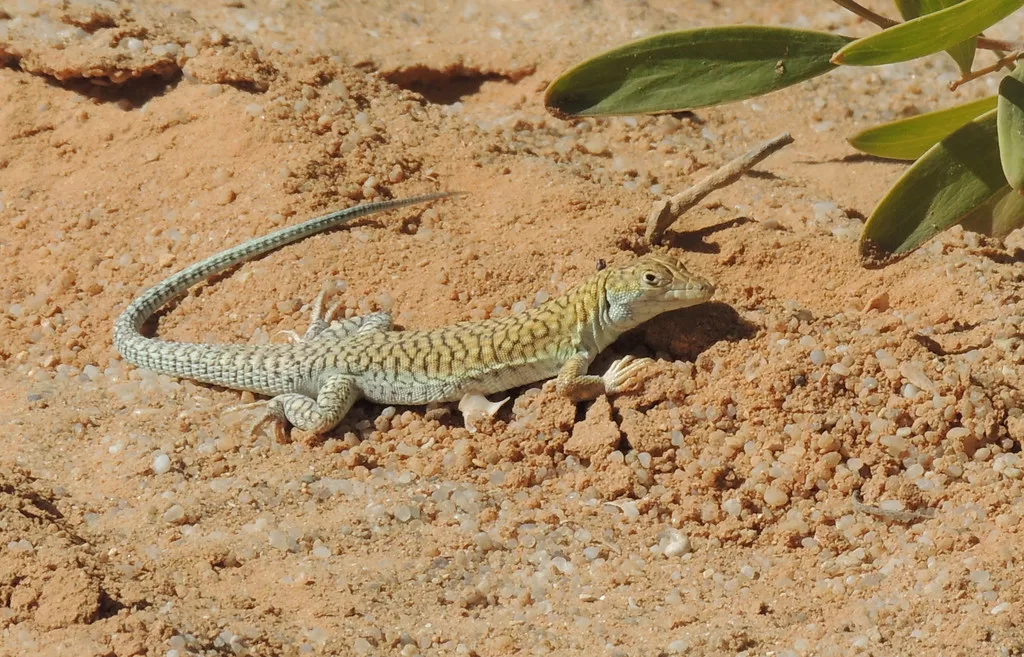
(175, 514)
(910, 391)
(630, 510)
(161, 463)
(823, 210)
(775, 497)
(914, 373)
(278, 539)
(678, 545)
(895, 444)
(957, 433)
(885, 359)
(840, 369)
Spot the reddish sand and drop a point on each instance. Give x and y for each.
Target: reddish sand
(824, 461)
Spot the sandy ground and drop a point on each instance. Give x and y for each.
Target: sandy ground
(728, 507)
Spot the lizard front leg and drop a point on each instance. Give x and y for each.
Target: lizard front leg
(333, 401)
(574, 382)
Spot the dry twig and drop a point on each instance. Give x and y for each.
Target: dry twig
(665, 212)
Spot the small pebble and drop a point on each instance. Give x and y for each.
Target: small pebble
(161, 463)
(175, 514)
(278, 539)
(774, 497)
(678, 545)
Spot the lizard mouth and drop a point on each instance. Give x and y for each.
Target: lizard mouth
(692, 293)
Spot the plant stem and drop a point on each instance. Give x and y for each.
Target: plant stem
(865, 13)
(999, 44)
(1006, 61)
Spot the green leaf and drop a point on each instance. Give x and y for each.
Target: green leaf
(963, 52)
(951, 180)
(1001, 214)
(908, 139)
(694, 68)
(927, 34)
(1011, 126)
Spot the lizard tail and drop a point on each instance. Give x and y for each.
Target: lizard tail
(144, 351)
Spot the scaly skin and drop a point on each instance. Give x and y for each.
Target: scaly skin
(315, 380)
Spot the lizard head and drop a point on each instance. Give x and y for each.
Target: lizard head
(652, 285)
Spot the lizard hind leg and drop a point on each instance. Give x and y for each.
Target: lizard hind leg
(333, 401)
(341, 329)
(322, 323)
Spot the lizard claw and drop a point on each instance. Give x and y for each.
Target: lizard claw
(293, 337)
(623, 374)
(332, 312)
(244, 407)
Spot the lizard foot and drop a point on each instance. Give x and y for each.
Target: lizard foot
(623, 374)
(476, 408)
(269, 417)
(277, 423)
(319, 319)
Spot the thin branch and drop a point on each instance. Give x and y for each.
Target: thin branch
(865, 13)
(1006, 61)
(666, 211)
(998, 44)
(883, 22)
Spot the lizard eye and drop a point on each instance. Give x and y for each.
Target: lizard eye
(650, 277)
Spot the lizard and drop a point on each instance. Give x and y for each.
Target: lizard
(314, 380)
